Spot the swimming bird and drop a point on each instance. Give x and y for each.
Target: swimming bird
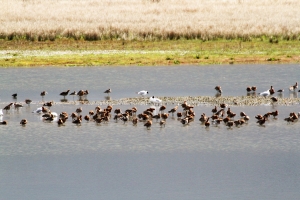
(3, 123)
(142, 92)
(108, 91)
(64, 94)
(155, 100)
(23, 122)
(294, 87)
(14, 95)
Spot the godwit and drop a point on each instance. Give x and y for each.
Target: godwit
(108, 91)
(23, 122)
(28, 101)
(64, 94)
(218, 88)
(148, 124)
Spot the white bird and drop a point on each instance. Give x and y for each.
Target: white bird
(142, 92)
(265, 93)
(38, 110)
(155, 100)
(1, 112)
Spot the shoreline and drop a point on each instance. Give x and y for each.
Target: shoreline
(195, 101)
(68, 52)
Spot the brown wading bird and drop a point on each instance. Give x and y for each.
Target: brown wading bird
(162, 123)
(43, 94)
(148, 124)
(8, 107)
(64, 94)
(23, 122)
(274, 99)
(207, 123)
(218, 88)
(275, 113)
(162, 108)
(135, 121)
(261, 121)
(28, 101)
(17, 106)
(48, 104)
(173, 110)
(108, 91)
(294, 87)
(230, 124)
(272, 91)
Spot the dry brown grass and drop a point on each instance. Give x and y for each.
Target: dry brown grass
(149, 19)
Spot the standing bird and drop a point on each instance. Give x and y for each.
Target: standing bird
(162, 123)
(265, 93)
(8, 107)
(14, 95)
(173, 110)
(23, 122)
(64, 94)
(43, 94)
(108, 91)
(134, 121)
(207, 123)
(218, 88)
(148, 124)
(28, 101)
(73, 94)
(142, 92)
(155, 100)
(294, 87)
(272, 91)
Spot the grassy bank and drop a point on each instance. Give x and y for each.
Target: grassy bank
(69, 52)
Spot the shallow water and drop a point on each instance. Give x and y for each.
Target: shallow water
(119, 161)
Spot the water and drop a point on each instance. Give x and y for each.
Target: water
(121, 161)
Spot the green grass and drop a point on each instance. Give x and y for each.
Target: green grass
(166, 52)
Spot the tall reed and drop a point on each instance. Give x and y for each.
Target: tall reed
(149, 19)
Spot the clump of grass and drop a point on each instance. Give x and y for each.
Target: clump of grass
(176, 62)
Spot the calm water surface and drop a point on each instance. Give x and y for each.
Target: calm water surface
(120, 161)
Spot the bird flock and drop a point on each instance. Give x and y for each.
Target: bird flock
(220, 114)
